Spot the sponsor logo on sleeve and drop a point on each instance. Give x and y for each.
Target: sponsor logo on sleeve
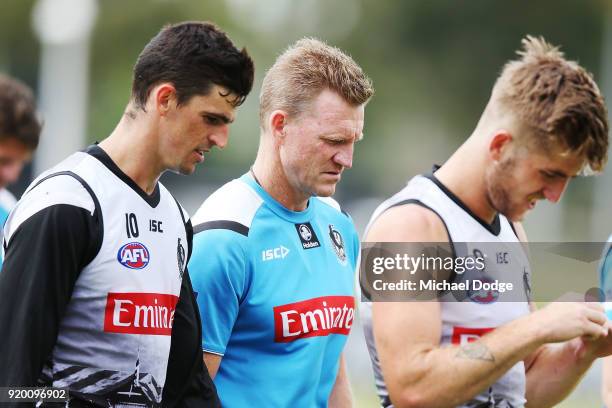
(307, 236)
(315, 317)
(140, 313)
(464, 335)
(133, 255)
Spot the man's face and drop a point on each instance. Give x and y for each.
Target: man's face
(13, 155)
(318, 144)
(516, 183)
(193, 128)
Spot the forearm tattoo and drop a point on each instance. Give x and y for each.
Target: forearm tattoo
(475, 351)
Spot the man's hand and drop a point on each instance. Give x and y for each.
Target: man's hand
(562, 321)
(600, 347)
(555, 369)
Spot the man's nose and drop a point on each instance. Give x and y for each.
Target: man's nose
(344, 157)
(554, 191)
(220, 137)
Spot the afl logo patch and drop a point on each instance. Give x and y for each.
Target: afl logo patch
(133, 255)
(477, 294)
(337, 244)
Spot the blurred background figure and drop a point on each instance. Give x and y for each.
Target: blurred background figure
(19, 133)
(432, 62)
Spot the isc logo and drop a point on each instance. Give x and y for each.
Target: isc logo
(133, 255)
(276, 253)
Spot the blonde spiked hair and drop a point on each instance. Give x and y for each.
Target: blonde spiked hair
(304, 70)
(557, 100)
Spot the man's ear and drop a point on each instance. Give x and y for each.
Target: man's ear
(164, 98)
(500, 141)
(277, 124)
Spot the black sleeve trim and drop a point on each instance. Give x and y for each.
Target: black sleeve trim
(222, 224)
(180, 209)
(189, 230)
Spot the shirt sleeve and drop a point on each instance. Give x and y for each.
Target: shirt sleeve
(42, 263)
(218, 269)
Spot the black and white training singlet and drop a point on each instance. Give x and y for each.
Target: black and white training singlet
(478, 313)
(112, 310)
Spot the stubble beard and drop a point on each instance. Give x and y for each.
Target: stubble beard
(498, 193)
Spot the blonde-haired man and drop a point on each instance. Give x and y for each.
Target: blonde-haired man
(544, 124)
(274, 257)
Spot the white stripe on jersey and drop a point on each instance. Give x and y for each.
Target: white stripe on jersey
(235, 201)
(61, 189)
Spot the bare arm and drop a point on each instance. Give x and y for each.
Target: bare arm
(420, 373)
(212, 362)
(555, 371)
(341, 396)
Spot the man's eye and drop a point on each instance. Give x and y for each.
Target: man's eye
(212, 120)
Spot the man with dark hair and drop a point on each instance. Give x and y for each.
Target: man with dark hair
(95, 296)
(19, 133)
(545, 123)
(179, 56)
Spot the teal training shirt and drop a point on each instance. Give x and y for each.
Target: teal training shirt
(275, 293)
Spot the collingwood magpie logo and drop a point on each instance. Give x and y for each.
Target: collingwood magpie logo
(337, 244)
(180, 257)
(307, 235)
(527, 283)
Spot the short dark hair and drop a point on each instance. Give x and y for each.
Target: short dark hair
(193, 56)
(18, 116)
